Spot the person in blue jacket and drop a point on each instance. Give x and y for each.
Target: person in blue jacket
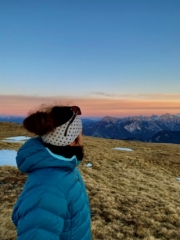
(53, 204)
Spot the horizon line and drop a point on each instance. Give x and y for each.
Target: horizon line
(100, 117)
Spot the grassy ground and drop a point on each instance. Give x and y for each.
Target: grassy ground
(133, 195)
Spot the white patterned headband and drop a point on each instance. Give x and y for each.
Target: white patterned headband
(64, 134)
(57, 136)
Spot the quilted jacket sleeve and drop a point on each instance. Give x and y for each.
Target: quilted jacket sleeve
(40, 214)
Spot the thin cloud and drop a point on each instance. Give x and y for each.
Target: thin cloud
(103, 94)
(159, 96)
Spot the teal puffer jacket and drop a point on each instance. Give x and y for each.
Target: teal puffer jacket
(53, 204)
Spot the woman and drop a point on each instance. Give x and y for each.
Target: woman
(53, 204)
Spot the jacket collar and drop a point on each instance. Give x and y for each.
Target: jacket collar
(32, 155)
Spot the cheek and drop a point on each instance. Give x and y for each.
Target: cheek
(80, 139)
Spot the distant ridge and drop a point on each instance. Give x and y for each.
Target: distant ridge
(19, 119)
(137, 128)
(166, 136)
(14, 119)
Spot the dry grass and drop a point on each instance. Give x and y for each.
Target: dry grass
(133, 195)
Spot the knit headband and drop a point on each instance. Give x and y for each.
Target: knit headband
(57, 138)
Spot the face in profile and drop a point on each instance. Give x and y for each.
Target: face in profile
(78, 141)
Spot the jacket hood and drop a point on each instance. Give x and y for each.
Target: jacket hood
(32, 155)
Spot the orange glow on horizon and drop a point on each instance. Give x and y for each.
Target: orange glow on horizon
(91, 107)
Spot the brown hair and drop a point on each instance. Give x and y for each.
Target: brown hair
(46, 119)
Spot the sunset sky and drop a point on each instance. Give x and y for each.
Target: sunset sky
(110, 57)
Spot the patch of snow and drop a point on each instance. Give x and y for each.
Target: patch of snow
(154, 117)
(8, 157)
(132, 127)
(123, 149)
(178, 179)
(15, 139)
(89, 165)
(109, 125)
(157, 138)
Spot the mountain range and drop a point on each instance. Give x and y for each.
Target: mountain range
(14, 119)
(19, 119)
(138, 128)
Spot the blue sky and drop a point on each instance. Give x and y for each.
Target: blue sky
(90, 49)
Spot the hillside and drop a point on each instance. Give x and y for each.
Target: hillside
(166, 136)
(133, 195)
